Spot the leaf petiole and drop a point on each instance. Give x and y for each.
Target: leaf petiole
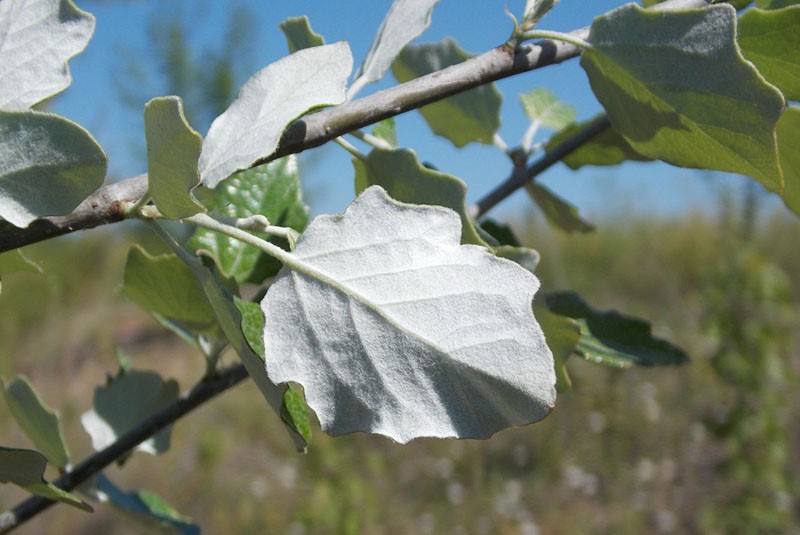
(556, 36)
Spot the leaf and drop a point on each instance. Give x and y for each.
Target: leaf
(469, 116)
(49, 165)
(788, 141)
(605, 148)
(392, 327)
(272, 190)
(124, 402)
(233, 324)
(299, 34)
(556, 210)
(25, 469)
(771, 40)
(173, 148)
(536, 9)
(611, 338)
(268, 102)
(525, 257)
(143, 504)
(165, 286)
(544, 107)
(39, 422)
(404, 22)
(405, 179)
(776, 4)
(500, 232)
(14, 261)
(387, 131)
(563, 335)
(675, 84)
(37, 38)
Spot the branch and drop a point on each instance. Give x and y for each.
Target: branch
(313, 130)
(522, 175)
(202, 392)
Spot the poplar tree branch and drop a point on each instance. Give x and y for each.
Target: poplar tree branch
(104, 206)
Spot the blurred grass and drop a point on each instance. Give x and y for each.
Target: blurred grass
(625, 452)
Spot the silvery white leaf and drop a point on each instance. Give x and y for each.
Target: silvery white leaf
(405, 21)
(37, 38)
(393, 327)
(268, 102)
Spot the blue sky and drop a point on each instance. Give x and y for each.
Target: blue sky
(477, 25)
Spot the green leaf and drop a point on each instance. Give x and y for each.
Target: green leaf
(502, 233)
(39, 422)
(771, 40)
(387, 131)
(14, 261)
(675, 84)
(556, 210)
(25, 469)
(543, 107)
(272, 190)
(473, 115)
(268, 102)
(606, 148)
(50, 165)
(299, 34)
(536, 9)
(524, 256)
(173, 148)
(124, 402)
(165, 286)
(407, 180)
(563, 335)
(143, 504)
(231, 321)
(776, 4)
(404, 22)
(393, 327)
(613, 339)
(788, 141)
(38, 39)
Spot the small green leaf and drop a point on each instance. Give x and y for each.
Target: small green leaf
(502, 233)
(124, 402)
(613, 339)
(173, 148)
(233, 325)
(556, 210)
(299, 34)
(25, 469)
(675, 84)
(387, 131)
(473, 115)
(38, 39)
(536, 9)
(788, 141)
(39, 422)
(144, 504)
(775, 4)
(562, 335)
(272, 190)
(295, 411)
(524, 256)
(164, 286)
(50, 164)
(606, 148)
(771, 40)
(544, 107)
(405, 179)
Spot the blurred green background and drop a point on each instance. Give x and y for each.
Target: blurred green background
(711, 447)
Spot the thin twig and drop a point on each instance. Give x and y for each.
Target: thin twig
(203, 391)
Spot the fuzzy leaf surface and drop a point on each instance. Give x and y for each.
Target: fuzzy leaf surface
(771, 40)
(299, 34)
(268, 102)
(173, 148)
(39, 422)
(675, 84)
(543, 106)
(37, 38)
(125, 401)
(393, 327)
(48, 165)
(25, 469)
(469, 116)
(272, 190)
(401, 174)
(404, 22)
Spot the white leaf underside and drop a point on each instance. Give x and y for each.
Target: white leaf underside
(393, 327)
